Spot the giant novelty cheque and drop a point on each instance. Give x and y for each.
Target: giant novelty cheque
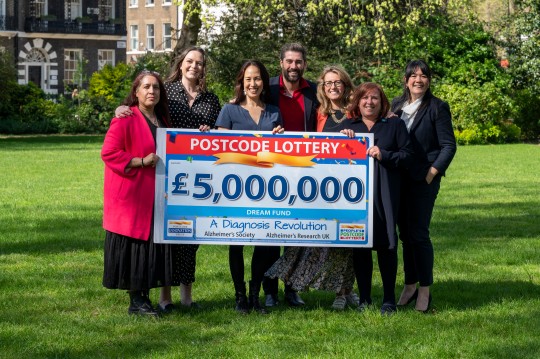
(256, 188)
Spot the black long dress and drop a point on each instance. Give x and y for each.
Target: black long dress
(134, 265)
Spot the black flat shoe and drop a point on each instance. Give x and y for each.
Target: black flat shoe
(144, 309)
(271, 300)
(167, 309)
(411, 299)
(193, 306)
(388, 309)
(294, 299)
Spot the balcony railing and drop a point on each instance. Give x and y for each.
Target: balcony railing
(7, 22)
(73, 26)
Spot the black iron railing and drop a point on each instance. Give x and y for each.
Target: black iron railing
(73, 26)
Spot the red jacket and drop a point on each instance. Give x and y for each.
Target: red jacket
(128, 198)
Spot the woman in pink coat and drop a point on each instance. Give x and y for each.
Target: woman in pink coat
(132, 261)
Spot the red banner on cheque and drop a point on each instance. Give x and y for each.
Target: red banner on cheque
(276, 145)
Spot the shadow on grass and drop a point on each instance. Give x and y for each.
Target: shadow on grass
(494, 220)
(463, 295)
(64, 233)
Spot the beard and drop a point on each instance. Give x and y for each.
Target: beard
(294, 78)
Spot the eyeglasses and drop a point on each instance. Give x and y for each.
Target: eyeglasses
(150, 72)
(329, 84)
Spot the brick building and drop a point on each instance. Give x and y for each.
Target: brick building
(151, 26)
(58, 44)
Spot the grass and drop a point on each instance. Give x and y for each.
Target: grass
(486, 233)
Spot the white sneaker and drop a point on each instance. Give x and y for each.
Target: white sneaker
(339, 303)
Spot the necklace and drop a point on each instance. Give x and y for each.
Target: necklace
(153, 119)
(336, 118)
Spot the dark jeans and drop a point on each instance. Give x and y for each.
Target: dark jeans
(363, 268)
(417, 202)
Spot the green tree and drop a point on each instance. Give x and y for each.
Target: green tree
(522, 35)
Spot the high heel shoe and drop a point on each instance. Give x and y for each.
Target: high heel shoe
(428, 309)
(411, 299)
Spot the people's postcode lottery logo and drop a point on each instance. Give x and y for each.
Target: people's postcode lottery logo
(180, 228)
(352, 232)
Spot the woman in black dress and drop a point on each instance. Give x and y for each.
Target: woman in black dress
(391, 152)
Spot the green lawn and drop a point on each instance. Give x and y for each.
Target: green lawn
(486, 233)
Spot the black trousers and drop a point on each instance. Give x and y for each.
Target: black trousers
(416, 208)
(260, 263)
(363, 269)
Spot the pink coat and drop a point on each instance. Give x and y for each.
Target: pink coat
(128, 198)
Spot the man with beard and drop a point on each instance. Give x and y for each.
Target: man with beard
(296, 98)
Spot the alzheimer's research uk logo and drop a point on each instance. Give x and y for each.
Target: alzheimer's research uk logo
(352, 232)
(180, 228)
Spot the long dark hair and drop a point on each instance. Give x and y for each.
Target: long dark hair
(360, 91)
(162, 107)
(176, 69)
(411, 69)
(239, 95)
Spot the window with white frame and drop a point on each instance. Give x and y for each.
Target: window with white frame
(73, 66)
(167, 2)
(40, 8)
(133, 3)
(150, 2)
(105, 57)
(150, 38)
(72, 9)
(167, 31)
(134, 36)
(105, 10)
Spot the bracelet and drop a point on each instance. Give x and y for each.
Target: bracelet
(142, 162)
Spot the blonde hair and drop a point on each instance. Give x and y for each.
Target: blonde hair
(348, 87)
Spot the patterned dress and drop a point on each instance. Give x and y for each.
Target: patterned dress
(320, 268)
(204, 111)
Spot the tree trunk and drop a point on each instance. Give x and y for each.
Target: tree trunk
(189, 32)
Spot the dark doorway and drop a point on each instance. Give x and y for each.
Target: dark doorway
(34, 75)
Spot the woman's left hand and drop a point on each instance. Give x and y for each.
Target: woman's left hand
(151, 160)
(278, 129)
(431, 174)
(348, 132)
(204, 128)
(374, 152)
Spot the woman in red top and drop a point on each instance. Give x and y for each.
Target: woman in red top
(129, 153)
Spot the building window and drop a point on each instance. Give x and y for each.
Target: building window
(150, 2)
(105, 57)
(133, 3)
(39, 8)
(72, 9)
(73, 66)
(134, 34)
(167, 30)
(150, 38)
(167, 2)
(105, 10)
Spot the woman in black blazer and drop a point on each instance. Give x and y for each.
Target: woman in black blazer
(429, 123)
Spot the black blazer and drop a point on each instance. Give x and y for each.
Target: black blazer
(310, 102)
(432, 137)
